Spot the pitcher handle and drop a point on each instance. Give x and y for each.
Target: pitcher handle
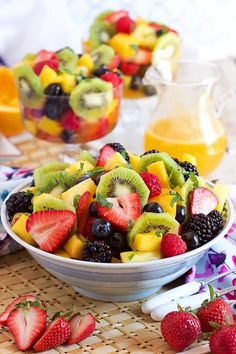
(224, 98)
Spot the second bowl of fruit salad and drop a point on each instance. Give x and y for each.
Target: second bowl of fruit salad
(62, 101)
(119, 226)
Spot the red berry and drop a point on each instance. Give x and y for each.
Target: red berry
(116, 15)
(81, 328)
(82, 210)
(87, 232)
(106, 152)
(52, 63)
(180, 329)
(152, 182)
(172, 245)
(114, 62)
(4, 315)
(217, 311)
(202, 200)
(223, 341)
(70, 121)
(111, 77)
(45, 55)
(129, 68)
(125, 24)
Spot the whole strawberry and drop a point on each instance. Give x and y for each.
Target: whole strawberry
(172, 245)
(223, 341)
(216, 311)
(180, 329)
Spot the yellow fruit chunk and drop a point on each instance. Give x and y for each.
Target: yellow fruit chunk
(75, 246)
(86, 186)
(147, 242)
(30, 189)
(31, 126)
(115, 260)
(20, 229)
(139, 256)
(62, 253)
(86, 60)
(47, 76)
(134, 160)
(165, 191)
(75, 166)
(82, 70)
(114, 161)
(158, 169)
(67, 82)
(113, 105)
(165, 201)
(221, 192)
(146, 35)
(50, 126)
(189, 158)
(125, 45)
(141, 20)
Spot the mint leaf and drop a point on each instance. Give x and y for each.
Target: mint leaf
(76, 198)
(131, 256)
(134, 47)
(130, 224)
(103, 201)
(63, 70)
(94, 171)
(158, 233)
(194, 179)
(176, 197)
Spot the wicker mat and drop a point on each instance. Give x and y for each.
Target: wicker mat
(121, 327)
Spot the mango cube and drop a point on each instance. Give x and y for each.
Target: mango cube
(19, 228)
(165, 201)
(158, 169)
(86, 60)
(134, 160)
(147, 242)
(47, 76)
(125, 45)
(50, 126)
(75, 246)
(67, 82)
(62, 253)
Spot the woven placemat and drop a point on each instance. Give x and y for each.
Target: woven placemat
(121, 328)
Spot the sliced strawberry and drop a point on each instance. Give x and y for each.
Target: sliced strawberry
(112, 77)
(156, 26)
(50, 228)
(106, 152)
(82, 210)
(26, 323)
(45, 55)
(116, 15)
(70, 121)
(52, 63)
(129, 68)
(142, 57)
(87, 229)
(124, 209)
(4, 315)
(115, 62)
(81, 328)
(202, 200)
(56, 334)
(125, 25)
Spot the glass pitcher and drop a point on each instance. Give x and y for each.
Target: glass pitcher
(186, 119)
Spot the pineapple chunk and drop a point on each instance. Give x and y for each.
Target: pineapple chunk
(139, 256)
(189, 158)
(47, 76)
(86, 186)
(158, 169)
(75, 166)
(19, 228)
(221, 192)
(114, 161)
(125, 45)
(86, 60)
(75, 246)
(165, 201)
(146, 36)
(147, 242)
(62, 253)
(134, 160)
(67, 82)
(50, 126)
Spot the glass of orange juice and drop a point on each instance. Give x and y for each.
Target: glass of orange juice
(186, 119)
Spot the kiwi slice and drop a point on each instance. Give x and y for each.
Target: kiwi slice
(173, 169)
(102, 15)
(85, 155)
(41, 171)
(47, 201)
(149, 222)
(50, 180)
(122, 181)
(67, 58)
(102, 55)
(167, 48)
(91, 98)
(101, 32)
(31, 91)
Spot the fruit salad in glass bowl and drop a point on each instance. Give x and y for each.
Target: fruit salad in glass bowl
(148, 213)
(63, 101)
(138, 43)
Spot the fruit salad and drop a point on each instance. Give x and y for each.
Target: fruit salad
(138, 44)
(118, 207)
(62, 100)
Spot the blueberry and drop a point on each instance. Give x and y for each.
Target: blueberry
(191, 240)
(102, 69)
(83, 178)
(97, 178)
(118, 242)
(93, 209)
(153, 208)
(55, 106)
(136, 83)
(101, 229)
(180, 213)
(53, 90)
(67, 136)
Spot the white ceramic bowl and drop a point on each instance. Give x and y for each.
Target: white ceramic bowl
(116, 281)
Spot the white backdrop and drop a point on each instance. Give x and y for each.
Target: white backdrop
(208, 27)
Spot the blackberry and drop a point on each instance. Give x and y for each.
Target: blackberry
(202, 226)
(216, 220)
(153, 151)
(188, 167)
(120, 148)
(97, 251)
(19, 202)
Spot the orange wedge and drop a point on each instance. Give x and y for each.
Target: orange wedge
(10, 117)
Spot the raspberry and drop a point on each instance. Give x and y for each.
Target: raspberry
(70, 121)
(125, 24)
(129, 68)
(172, 245)
(111, 77)
(152, 182)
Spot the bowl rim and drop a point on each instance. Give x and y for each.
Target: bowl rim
(157, 262)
